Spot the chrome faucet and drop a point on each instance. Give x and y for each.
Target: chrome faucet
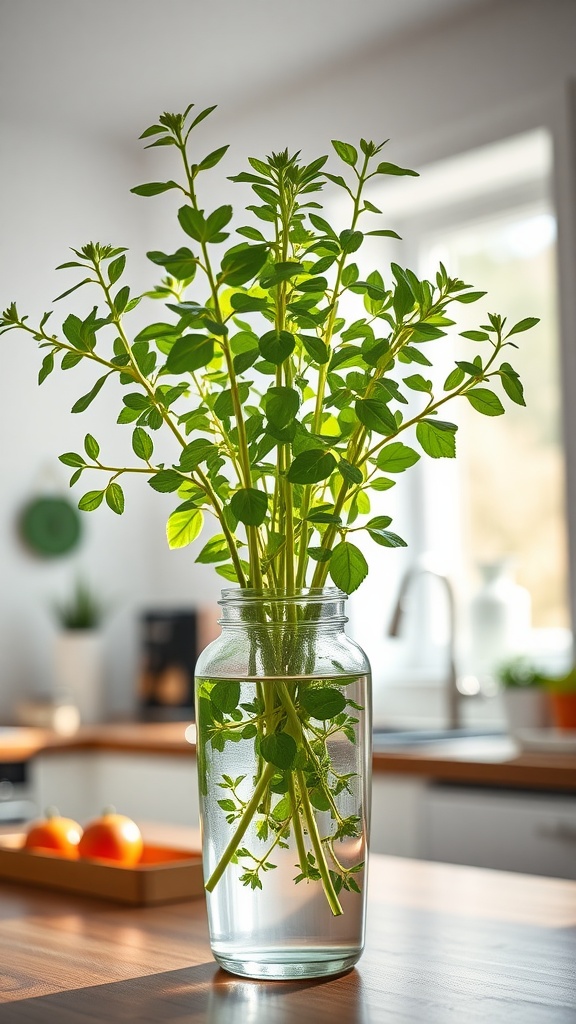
(453, 710)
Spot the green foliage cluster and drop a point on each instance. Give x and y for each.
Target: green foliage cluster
(285, 415)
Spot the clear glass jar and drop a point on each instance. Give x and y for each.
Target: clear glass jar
(283, 713)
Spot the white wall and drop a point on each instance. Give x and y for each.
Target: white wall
(485, 74)
(59, 191)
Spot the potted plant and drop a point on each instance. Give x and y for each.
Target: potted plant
(287, 420)
(526, 703)
(77, 654)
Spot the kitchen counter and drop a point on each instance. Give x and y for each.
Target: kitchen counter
(443, 943)
(479, 760)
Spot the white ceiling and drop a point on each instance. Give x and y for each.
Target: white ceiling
(106, 63)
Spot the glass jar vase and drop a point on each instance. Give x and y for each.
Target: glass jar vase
(283, 713)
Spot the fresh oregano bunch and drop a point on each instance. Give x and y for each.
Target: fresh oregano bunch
(285, 417)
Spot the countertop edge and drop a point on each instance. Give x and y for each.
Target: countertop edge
(485, 761)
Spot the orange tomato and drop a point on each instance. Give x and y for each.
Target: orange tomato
(112, 837)
(54, 835)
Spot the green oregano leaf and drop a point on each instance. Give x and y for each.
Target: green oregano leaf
(116, 269)
(348, 567)
(166, 480)
(279, 749)
(512, 384)
(437, 438)
(524, 325)
(215, 550)
(46, 368)
(190, 353)
(346, 152)
(467, 297)
(386, 538)
(276, 346)
(320, 554)
(376, 415)
(485, 401)
(249, 506)
(183, 527)
(115, 497)
(311, 466)
(90, 501)
(396, 457)
(72, 459)
(352, 474)
(142, 444)
(82, 404)
(323, 702)
(225, 695)
(91, 447)
(315, 348)
(454, 379)
(69, 360)
(387, 168)
(153, 188)
(282, 405)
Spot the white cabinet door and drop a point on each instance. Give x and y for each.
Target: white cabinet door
(146, 787)
(511, 830)
(68, 782)
(149, 787)
(396, 814)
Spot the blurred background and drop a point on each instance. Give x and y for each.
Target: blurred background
(479, 97)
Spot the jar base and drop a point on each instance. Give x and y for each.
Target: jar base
(284, 965)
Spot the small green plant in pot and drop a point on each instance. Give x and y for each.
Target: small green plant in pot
(83, 609)
(78, 650)
(288, 420)
(524, 694)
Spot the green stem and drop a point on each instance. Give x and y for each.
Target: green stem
(331, 895)
(298, 834)
(244, 457)
(251, 808)
(321, 386)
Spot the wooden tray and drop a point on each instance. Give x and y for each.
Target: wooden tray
(164, 874)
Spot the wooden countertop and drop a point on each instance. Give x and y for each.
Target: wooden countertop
(444, 943)
(482, 760)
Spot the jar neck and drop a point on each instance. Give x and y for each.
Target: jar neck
(304, 608)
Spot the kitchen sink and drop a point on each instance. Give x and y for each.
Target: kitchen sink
(391, 739)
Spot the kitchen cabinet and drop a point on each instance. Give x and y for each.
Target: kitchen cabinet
(159, 788)
(505, 829)
(397, 809)
(511, 830)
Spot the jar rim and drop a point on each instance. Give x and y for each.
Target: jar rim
(245, 595)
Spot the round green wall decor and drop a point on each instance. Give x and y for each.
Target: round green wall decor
(50, 526)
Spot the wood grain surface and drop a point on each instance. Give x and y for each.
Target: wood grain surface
(445, 945)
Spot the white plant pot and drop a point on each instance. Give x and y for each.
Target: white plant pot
(526, 708)
(78, 671)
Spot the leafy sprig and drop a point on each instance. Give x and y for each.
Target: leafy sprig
(295, 414)
(286, 417)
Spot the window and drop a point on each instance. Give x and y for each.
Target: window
(488, 217)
